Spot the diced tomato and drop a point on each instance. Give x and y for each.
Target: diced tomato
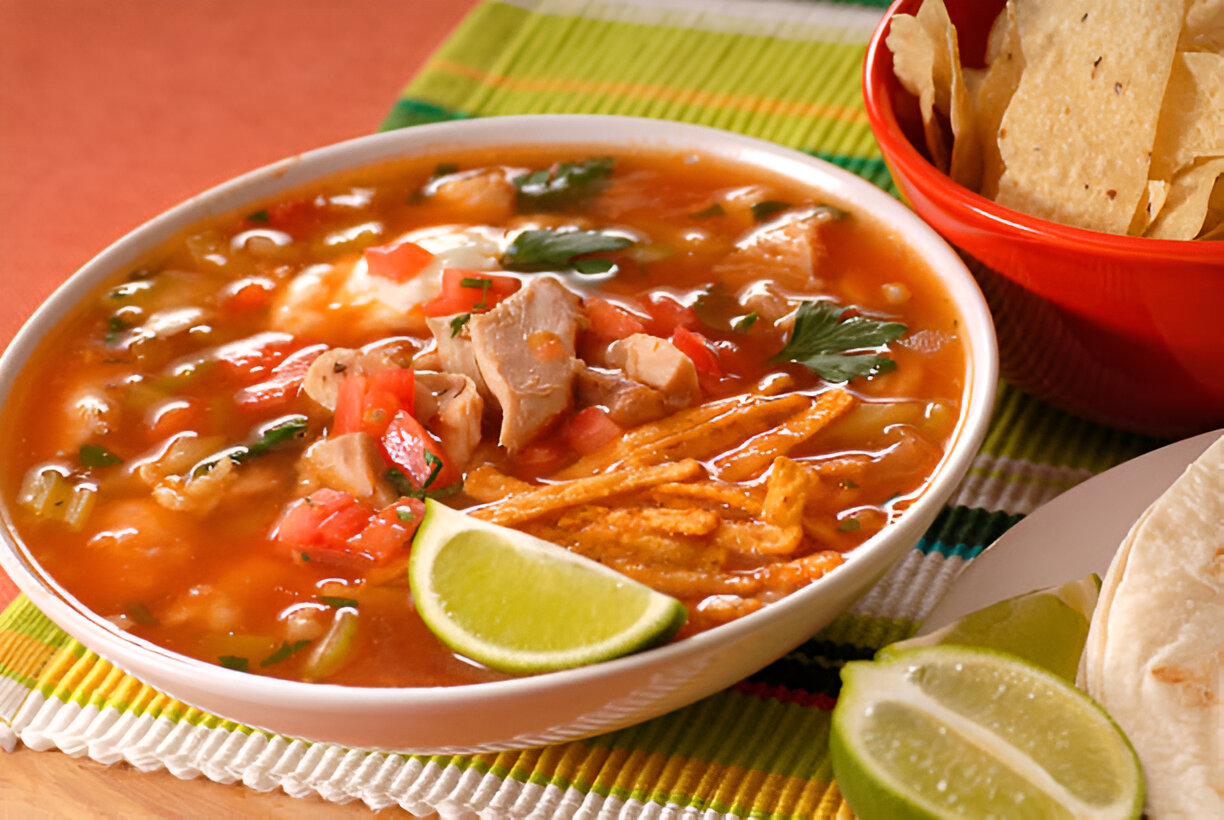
(302, 522)
(590, 429)
(542, 457)
(609, 320)
(463, 292)
(368, 402)
(296, 217)
(248, 295)
(667, 314)
(283, 383)
(697, 348)
(334, 526)
(389, 531)
(399, 261)
(250, 358)
(417, 454)
(399, 382)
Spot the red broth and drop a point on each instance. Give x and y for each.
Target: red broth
(170, 462)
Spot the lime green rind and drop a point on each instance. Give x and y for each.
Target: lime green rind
(520, 604)
(941, 730)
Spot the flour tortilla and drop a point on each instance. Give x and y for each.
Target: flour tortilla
(1155, 652)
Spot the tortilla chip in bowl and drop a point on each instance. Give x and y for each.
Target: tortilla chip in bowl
(1061, 151)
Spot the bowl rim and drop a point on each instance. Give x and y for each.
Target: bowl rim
(968, 206)
(865, 564)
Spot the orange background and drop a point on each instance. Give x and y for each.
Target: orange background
(112, 111)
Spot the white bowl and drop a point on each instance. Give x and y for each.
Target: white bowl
(562, 705)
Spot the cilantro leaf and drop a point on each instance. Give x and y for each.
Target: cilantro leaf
(95, 455)
(270, 437)
(768, 207)
(562, 183)
(236, 662)
(826, 343)
(337, 602)
(558, 250)
(284, 652)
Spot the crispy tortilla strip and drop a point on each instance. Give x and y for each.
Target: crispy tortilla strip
(786, 493)
(772, 581)
(821, 530)
(486, 483)
(551, 497)
(618, 450)
(661, 551)
(839, 467)
(758, 538)
(714, 610)
(721, 433)
(752, 459)
(728, 495)
(785, 577)
(670, 521)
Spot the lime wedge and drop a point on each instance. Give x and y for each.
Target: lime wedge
(520, 604)
(942, 731)
(1047, 627)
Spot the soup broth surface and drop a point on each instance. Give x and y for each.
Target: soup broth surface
(225, 449)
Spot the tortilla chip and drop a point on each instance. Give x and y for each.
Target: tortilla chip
(758, 453)
(786, 493)
(1204, 28)
(1185, 211)
(1077, 136)
(1150, 203)
(914, 56)
(994, 92)
(1192, 118)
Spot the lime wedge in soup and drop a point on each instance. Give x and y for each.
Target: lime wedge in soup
(520, 604)
(956, 731)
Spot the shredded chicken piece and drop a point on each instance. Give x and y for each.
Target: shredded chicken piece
(660, 364)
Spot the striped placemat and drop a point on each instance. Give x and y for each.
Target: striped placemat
(782, 70)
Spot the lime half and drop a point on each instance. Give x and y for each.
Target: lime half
(1047, 627)
(948, 731)
(520, 604)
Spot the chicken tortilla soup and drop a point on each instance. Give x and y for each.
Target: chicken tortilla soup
(714, 382)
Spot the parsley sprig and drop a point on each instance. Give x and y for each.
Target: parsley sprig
(833, 344)
(562, 184)
(559, 250)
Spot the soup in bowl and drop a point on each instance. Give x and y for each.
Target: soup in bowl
(722, 369)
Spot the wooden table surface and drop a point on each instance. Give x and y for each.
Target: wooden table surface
(111, 112)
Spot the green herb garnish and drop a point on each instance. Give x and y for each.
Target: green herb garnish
(766, 208)
(336, 602)
(95, 455)
(114, 326)
(285, 650)
(825, 342)
(478, 282)
(705, 213)
(258, 216)
(850, 525)
(140, 613)
(404, 514)
(435, 467)
(558, 250)
(562, 183)
(269, 438)
(457, 323)
(744, 322)
(404, 486)
(444, 169)
(235, 662)
(592, 266)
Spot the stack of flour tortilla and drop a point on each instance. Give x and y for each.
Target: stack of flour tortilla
(1155, 652)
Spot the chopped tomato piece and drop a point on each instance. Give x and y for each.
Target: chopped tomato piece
(248, 295)
(283, 383)
(609, 320)
(667, 313)
(399, 261)
(399, 382)
(296, 217)
(589, 429)
(252, 357)
(389, 531)
(697, 348)
(465, 291)
(302, 522)
(542, 457)
(417, 454)
(368, 402)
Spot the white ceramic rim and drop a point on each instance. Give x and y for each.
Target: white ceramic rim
(864, 565)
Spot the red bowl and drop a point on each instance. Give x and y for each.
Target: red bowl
(1124, 331)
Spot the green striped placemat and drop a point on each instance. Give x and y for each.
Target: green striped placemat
(782, 70)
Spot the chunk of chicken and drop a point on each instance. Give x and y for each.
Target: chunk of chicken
(350, 462)
(455, 352)
(628, 402)
(483, 196)
(524, 348)
(785, 250)
(449, 405)
(659, 364)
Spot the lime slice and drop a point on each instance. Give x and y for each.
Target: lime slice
(520, 604)
(940, 731)
(1047, 627)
